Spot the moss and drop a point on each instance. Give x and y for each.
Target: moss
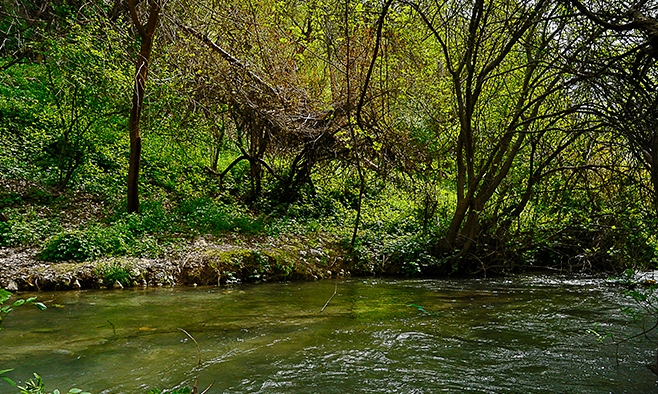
(234, 265)
(297, 259)
(281, 263)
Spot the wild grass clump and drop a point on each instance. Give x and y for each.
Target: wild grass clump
(115, 272)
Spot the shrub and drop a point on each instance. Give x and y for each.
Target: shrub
(10, 199)
(37, 386)
(117, 239)
(153, 218)
(206, 215)
(71, 245)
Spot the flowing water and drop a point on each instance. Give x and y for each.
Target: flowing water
(512, 335)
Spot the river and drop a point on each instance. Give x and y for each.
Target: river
(527, 334)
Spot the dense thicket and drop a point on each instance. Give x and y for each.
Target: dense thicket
(433, 137)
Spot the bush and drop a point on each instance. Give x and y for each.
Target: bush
(118, 239)
(10, 199)
(72, 245)
(205, 215)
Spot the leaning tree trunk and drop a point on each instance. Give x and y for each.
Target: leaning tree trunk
(146, 34)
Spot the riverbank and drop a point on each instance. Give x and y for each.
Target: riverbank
(73, 240)
(201, 262)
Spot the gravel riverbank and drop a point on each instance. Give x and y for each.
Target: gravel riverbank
(200, 263)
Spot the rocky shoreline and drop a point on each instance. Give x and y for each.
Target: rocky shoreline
(202, 262)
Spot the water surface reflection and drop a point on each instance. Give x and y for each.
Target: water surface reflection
(525, 334)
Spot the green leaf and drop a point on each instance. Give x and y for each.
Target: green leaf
(30, 300)
(41, 306)
(75, 391)
(4, 371)
(4, 295)
(18, 303)
(9, 381)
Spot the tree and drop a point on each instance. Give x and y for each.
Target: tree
(503, 61)
(272, 79)
(146, 34)
(58, 61)
(620, 74)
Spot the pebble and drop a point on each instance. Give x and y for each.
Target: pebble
(12, 286)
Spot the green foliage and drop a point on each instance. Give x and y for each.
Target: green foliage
(115, 272)
(5, 378)
(64, 114)
(71, 245)
(4, 311)
(598, 334)
(408, 254)
(153, 219)
(26, 228)
(642, 290)
(58, 114)
(37, 386)
(7, 309)
(206, 215)
(117, 239)
(578, 241)
(133, 234)
(10, 199)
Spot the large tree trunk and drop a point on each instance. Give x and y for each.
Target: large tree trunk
(146, 34)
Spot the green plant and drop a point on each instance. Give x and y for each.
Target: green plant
(121, 238)
(37, 386)
(25, 228)
(206, 215)
(598, 334)
(72, 245)
(115, 272)
(32, 386)
(7, 309)
(210, 216)
(5, 378)
(10, 199)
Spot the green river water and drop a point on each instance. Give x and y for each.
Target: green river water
(509, 335)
